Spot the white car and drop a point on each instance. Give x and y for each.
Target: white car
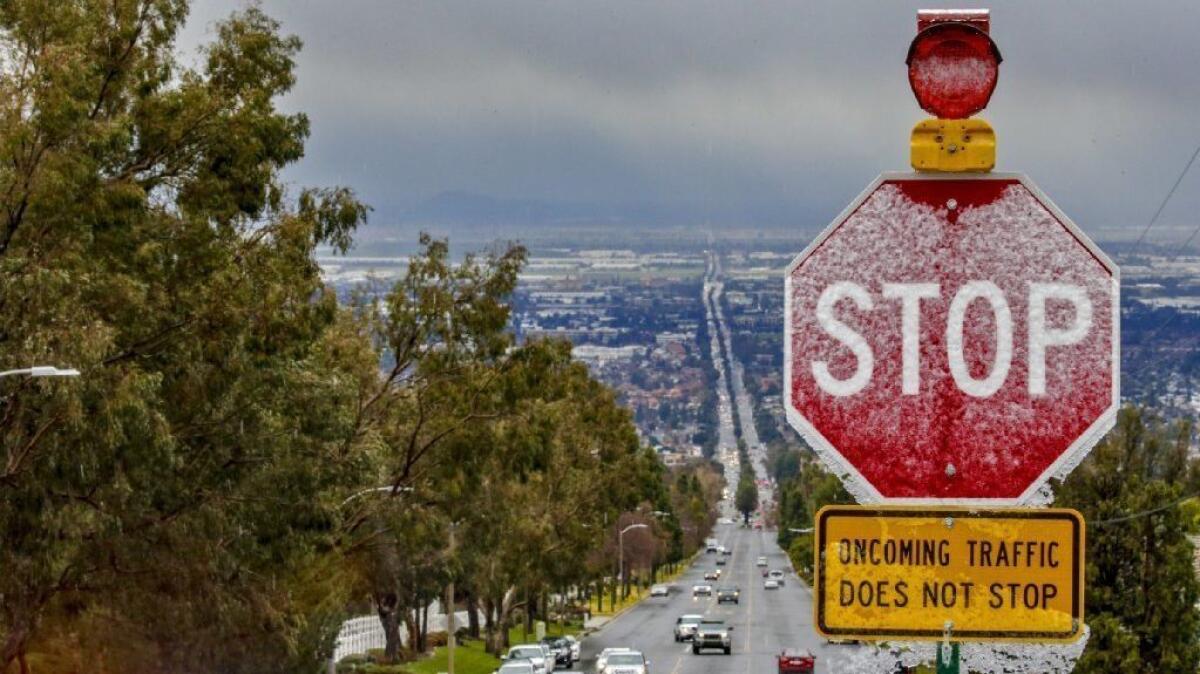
(704, 589)
(626, 662)
(660, 591)
(770, 584)
(685, 626)
(534, 654)
(602, 659)
(762, 561)
(575, 647)
(519, 667)
(776, 575)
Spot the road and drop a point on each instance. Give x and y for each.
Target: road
(730, 381)
(765, 621)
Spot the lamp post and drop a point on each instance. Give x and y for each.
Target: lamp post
(621, 556)
(451, 640)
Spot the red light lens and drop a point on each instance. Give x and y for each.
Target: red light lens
(952, 68)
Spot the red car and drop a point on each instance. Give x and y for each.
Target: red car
(793, 661)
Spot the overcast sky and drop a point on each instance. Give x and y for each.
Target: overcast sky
(741, 110)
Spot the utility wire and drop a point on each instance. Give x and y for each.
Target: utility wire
(1178, 249)
(1143, 513)
(1170, 193)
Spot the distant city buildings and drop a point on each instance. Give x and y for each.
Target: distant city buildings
(637, 320)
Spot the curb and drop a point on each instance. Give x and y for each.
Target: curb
(586, 631)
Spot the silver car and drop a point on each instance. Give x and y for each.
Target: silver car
(602, 659)
(627, 662)
(519, 667)
(685, 626)
(534, 654)
(712, 633)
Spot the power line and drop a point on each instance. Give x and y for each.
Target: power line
(1170, 193)
(1143, 513)
(1178, 249)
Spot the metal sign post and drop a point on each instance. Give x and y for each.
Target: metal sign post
(947, 659)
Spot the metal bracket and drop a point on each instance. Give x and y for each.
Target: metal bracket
(953, 146)
(947, 652)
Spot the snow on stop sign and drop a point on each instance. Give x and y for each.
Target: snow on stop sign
(951, 339)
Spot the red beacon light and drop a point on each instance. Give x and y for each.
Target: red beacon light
(953, 63)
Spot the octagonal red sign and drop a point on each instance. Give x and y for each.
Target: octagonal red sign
(951, 339)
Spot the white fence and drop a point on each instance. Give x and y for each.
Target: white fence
(358, 635)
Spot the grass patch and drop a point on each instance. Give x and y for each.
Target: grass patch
(469, 658)
(518, 635)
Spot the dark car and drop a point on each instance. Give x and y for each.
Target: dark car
(561, 648)
(712, 633)
(728, 594)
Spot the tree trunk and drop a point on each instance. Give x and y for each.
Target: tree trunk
(389, 619)
(412, 622)
(424, 617)
(529, 609)
(14, 649)
(498, 627)
(472, 615)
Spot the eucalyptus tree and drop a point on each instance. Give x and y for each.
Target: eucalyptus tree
(175, 489)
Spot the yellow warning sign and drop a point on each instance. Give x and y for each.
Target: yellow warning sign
(922, 573)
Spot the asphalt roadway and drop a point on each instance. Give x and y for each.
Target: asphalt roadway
(765, 621)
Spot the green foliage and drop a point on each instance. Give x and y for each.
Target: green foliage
(783, 461)
(801, 553)
(802, 496)
(746, 496)
(1141, 586)
(149, 241)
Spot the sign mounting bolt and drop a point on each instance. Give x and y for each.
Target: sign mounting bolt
(950, 470)
(949, 522)
(952, 204)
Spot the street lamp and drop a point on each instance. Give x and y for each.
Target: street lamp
(621, 551)
(41, 371)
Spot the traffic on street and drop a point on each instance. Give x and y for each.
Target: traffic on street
(762, 624)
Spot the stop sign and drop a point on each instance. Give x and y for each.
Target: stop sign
(951, 339)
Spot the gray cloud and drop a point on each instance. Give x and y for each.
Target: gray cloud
(779, 111)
